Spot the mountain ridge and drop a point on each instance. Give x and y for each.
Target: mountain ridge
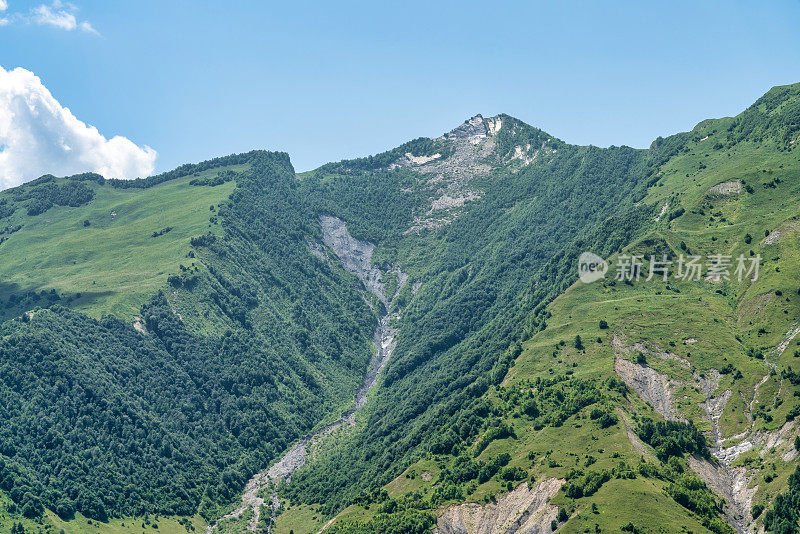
(485, 223)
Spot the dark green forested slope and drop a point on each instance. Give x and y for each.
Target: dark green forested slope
(487, 277)
(245, 350)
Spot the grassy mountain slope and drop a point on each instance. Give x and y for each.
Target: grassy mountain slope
(243, 343)
(706, 339)
(113, 262)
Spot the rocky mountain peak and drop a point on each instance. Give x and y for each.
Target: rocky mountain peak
(476, 127)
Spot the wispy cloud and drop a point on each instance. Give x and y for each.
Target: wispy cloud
(61, 15)
(58, 14)
(39, 136)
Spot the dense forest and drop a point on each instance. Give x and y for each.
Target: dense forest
(487, 276)
(103, 420)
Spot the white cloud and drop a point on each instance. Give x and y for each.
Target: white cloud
(47, 16)
(87, 27)
(38, 136)
(60, 15)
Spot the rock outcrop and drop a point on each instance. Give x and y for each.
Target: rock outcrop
(525, 510)
(649, 385)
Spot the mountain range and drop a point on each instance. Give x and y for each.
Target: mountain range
(401, 342)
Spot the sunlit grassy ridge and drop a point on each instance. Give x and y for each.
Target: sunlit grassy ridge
(113, 262)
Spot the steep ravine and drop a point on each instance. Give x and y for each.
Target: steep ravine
(733, 483)
(356, 257)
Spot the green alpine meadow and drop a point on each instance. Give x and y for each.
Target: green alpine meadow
(412, 342)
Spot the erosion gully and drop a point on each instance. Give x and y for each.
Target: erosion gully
(356, 257)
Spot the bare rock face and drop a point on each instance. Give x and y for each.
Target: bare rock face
(355, 255)
(448, 179)
(522, 511)
(649, 385)
(731, 187)
(474, 127)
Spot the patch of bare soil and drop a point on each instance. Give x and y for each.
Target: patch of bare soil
(773, 237)
(787, 338)
(661, 213)
(524, 510)
(778, 234)
(731, 483)
(526, 155)
(446, 201)
(355, 255)
(421, 160)
(734, 484)
(635, 440)
(649, 384)
(139, 326)
(731, 187)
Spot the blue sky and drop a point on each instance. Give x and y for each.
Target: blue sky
(331, 80)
